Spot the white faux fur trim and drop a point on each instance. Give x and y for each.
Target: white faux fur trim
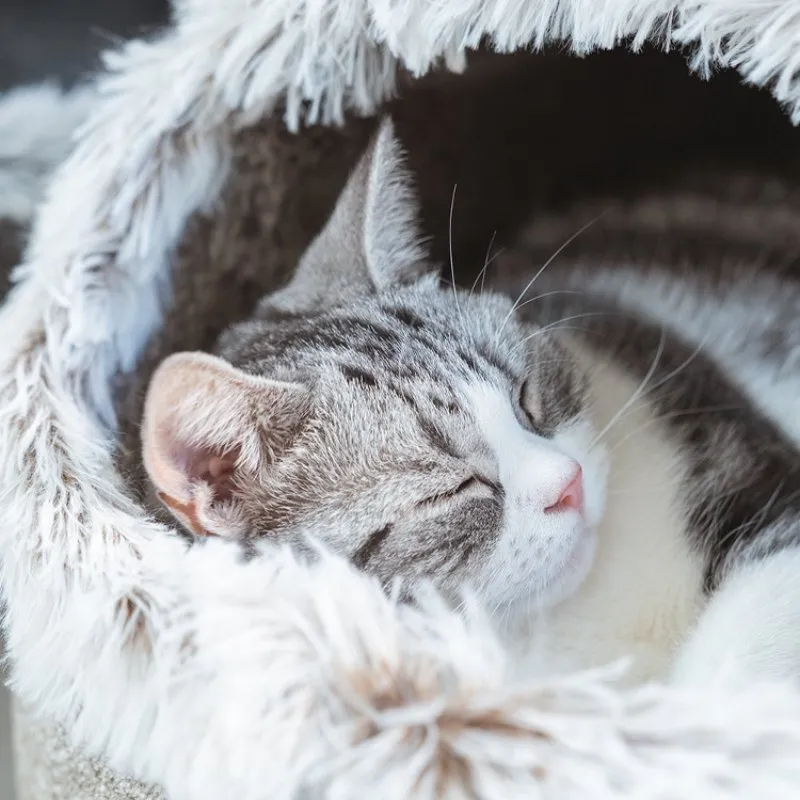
(36, 127)
(267, 678)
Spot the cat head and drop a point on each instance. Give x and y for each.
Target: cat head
(420, 430)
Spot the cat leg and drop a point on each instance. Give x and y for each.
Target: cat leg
(750, 629)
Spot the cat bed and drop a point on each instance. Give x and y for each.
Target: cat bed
(211, 156)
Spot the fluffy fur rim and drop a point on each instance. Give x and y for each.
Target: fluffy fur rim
(219, 679)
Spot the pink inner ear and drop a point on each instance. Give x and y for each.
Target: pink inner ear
(212, 480)
(218, 471)
(202, 416)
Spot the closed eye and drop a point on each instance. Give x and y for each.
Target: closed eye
(470, 485)
(523, 402)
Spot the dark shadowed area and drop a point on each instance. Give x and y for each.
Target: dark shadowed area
(61, 39)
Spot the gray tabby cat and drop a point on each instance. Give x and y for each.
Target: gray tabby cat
(626, 488)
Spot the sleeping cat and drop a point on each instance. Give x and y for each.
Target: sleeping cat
(626, 485)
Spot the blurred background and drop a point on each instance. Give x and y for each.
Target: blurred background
(60, 40)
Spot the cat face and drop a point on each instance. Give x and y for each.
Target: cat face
(421, 431)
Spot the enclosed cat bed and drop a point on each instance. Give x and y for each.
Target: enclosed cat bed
(194, 187)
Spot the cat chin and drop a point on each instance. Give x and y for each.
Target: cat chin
(549, 583)
(574, 571)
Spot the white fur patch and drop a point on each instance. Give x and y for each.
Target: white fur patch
(540, 557)
(532, 469)
(750, 629)
(644, 590)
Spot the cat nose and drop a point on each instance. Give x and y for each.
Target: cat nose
(570, 496)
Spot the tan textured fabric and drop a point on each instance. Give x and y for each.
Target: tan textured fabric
(49, 769)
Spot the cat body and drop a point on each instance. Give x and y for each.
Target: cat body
(700, 376)
(627, 489)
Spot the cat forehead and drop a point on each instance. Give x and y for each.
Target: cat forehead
(410, 322)
(419, 332)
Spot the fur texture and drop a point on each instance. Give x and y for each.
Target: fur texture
(187, 669)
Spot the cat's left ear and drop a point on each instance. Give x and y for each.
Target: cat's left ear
(210, 431)
(371, 241)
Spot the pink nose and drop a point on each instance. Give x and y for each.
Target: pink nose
(571, 496)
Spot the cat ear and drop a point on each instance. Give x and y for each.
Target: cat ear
(210, 428)
(371, 240)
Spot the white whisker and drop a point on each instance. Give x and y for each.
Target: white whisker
(682, 366)
(481, 276)
(450, 248)
(637, 393)
(559, 324)
(544, 266)
(672, 415)
(650, 389)
(755, 521)
(548, 294)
